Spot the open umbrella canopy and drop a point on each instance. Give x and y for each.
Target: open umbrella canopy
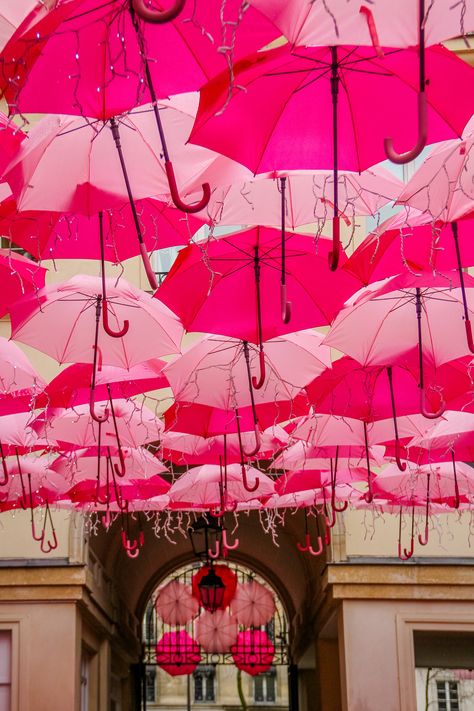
(177, 653)
(216, 631)
(253, 604)
(176, 605)
(20, 277)
(253, 652)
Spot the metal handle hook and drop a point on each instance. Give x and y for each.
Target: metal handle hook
(401, 158)
(159, 17)
(106, 324)
(196, 207)
(258, 383)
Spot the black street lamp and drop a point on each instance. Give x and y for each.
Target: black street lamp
(204, 534)
(211, 591)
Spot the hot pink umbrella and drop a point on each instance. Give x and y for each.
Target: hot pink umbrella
(281, 86)
(210, 487)
(253, 653)
(228, 286)
(216, 631)
(95, 54)
(64, 235)
(177, 653)
(176, 605)
(10, 138)
(20, 276)
(253, 604)
(72, 386)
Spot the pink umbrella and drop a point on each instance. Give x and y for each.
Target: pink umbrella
(253, 652)
(217, 371)
(64, 235)
(72, 386)
(176, 605)
(302, 455)
(281, 86)
(20, 276)
(378, 392)
(453, 433)
(216, 631)
(132, 426)
(61, 320)
(96, 54)
(10, 136)
(210, 487)
(253, 604)
(21, 13)
(405, 312)
(340, 22)
(89, 464)
(187, 449)
(177, 653)
(308, 197)
(228, 286)
(16, 371)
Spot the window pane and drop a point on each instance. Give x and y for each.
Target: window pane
(271, 687)
(210, 688)
(258, 693)
(198, 687)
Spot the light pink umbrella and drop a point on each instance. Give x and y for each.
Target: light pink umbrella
(82, 464)
(188, 449)
(16, 371)
(209, 487)
(302, 455)
(253, 604)
(453, 433)
(341, 22)
(135, 425)
(175, 604)
(308, 197)
(62, 318)
(216, 631)
(253, 652)
(218, 371)
(386, 321)
(177, 653)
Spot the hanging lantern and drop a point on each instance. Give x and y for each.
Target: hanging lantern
(211, 591)
(204, 533)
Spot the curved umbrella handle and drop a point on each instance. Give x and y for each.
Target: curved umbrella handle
(470, 341)
(120, 470)
(214, 554)
(330, 522)
(51, 544)
(257, 384)
(286, 307)
(245, 482)
(406, 555)
(304, 548)
(333, 256)
(106, 325)
(226, 544)
(327, 536)
(4, 467)
(128, 544)
(424, 411)
(423, 540)
(151, 276)
(258, 443)
(314, 552)
(158, 17)
(92, 412)
(196, 207)
(337, 508)
(106, 520)
(401, 158)
(401, 465)
(374, 37)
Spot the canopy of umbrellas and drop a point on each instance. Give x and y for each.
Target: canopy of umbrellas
(165, 122)
(236, 626)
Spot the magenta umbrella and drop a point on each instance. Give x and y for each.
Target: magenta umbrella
(21, 14)
(20, 277)
(228, 285)
(361, 98)
(72, 386)
(177, 653)
(253, 652)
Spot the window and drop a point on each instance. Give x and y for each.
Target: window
(163, 261)
(5, 669)
(150, 683)
(85, 673)
(264, 689)
(447, 693)
(204, 683)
